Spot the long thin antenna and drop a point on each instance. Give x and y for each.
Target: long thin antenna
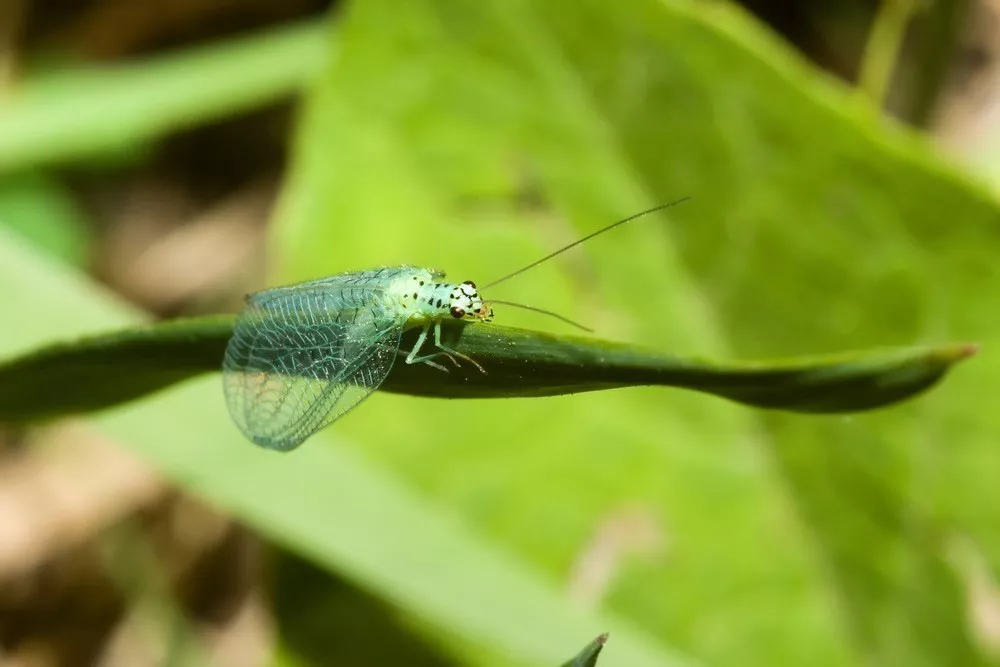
(541, 311)
(579, 241)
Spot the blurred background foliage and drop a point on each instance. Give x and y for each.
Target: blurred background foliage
(162, 159)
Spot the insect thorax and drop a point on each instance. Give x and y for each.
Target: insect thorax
(423, 295)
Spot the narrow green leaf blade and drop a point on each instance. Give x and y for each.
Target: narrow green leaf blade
(105, 370)
(80, 113)
(588, 656)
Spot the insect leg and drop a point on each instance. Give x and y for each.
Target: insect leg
(449, 351)
(412, 357)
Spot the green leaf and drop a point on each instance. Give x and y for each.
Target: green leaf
(43, 211)
(105, 370)
(77, 114)
(588, 656)
(477, 136)
(320, 619)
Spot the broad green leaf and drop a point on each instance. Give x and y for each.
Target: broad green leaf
(328, 503)
(77, 114)
(104, 370)
(476, 136)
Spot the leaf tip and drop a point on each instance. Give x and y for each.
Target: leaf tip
(602, 638)
(952, 353)
(966, 350)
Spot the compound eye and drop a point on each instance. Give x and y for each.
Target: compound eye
(457, 312)
(470, 284)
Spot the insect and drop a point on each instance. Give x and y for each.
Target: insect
(302, 356)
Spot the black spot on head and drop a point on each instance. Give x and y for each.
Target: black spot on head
(414, 295)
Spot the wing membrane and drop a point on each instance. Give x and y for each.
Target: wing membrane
(300, 357)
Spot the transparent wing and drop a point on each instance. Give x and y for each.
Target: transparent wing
(301, 357)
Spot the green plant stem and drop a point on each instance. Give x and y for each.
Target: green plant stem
(883, 47)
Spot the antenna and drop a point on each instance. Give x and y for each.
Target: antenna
(574, 244)
(542, 312)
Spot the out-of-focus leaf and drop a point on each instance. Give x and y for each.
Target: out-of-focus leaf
(72, 115)
(478, 135)
(323, 620)
(588, 656)
(42, 211)
(104, 370)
